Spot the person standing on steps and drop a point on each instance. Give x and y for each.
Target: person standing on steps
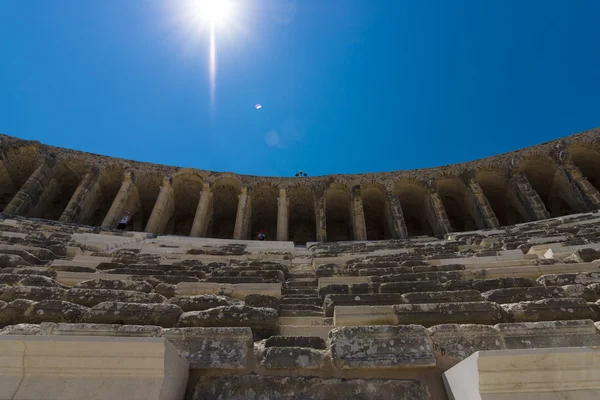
(261, 235)
(124, 221)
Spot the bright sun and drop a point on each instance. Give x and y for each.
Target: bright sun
(214, 12)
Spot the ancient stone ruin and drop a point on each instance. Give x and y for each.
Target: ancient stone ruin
(478, 280)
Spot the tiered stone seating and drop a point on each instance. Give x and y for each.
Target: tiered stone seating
(392, 316)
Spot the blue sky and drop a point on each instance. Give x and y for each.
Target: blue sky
(347, 86)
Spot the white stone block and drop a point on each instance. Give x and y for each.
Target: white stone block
(568, 373)
(99, 368)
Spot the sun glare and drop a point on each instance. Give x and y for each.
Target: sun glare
(213, 12)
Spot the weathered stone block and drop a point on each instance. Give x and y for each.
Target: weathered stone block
(279, 352)
(482, 312)
(254, 387)
(81, 329)
(583, 255)
(139, 286)
(583, 278)
(384, 346)
(22, 329)
(262, 320)
(460, 341)
(11, 260)
(406, 287)
(161, 314)
(28, 271)
(166, 289)
(262, 300)
(214, 348)
(38, 280)
(92, 297)
(483, 285)
(584, 292)
(333, 300)
(515, 295)
(548, 310)
(530, 335)
(442, 297)
(202, 302)
(33, 293)
(53, 311)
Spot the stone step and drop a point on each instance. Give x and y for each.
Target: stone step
(315, 300)
(321, 331)
(301, 283)
(298, 307)
(305, 321)
(300, 313)
(299, 291)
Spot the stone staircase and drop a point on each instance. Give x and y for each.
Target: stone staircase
(300, 295)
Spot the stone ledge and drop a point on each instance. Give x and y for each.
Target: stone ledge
(74, 367)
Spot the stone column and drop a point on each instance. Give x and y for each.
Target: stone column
(437, 213)
(242, 216)
(117, 208)
(396, 217)
(580, 184)
(531, 200)
(358, 216)
(282, 215)
(160, 212)
(481, 207)
(321, 218)
(73, 211)
(30, 193)
(203, 216)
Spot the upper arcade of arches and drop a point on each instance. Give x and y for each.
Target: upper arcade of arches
(552, 179)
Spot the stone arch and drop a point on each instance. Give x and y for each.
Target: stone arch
(104, 193)
(587, 159)
(191, 171)
(19, 164)
(338, 213)
(376, 212)
(501, 198)
(453, 192)
(226, 190)
(187, 187)
(148, 187)
(550, 185)
(412, 198)
(263, 210)
(302, 225)
(64, 179)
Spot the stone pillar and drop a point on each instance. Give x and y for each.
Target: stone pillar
(437, 213)
(282, 215)
(321, 218)
(203, 214)
(117, 208)
(531, 200)
(396, 217)
(579, 183)
(242, 216)
(160, 212)
(30, 193)
(481, 207)
(358, 216)
(73, 211)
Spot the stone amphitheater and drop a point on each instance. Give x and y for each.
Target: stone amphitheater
(478, 280)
